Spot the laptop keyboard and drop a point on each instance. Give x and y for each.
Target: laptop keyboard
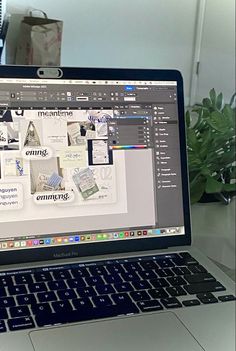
(55, 295)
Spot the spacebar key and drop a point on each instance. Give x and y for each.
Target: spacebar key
(204, 287)
(84, 314)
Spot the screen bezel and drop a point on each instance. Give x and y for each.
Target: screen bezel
(101, 248)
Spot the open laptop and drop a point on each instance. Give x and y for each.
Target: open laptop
(94, 217)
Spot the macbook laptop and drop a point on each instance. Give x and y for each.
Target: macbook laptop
(95, 239)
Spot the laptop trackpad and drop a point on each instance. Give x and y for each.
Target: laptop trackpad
(162, 331)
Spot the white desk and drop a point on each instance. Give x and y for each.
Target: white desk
(213, 228)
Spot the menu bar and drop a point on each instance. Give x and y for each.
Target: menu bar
(86, 82)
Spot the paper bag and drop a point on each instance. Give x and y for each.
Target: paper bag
(39, 41)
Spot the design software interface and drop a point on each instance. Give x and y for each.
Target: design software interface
(87, 161)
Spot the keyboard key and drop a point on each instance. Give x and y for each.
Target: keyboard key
(105, 289)
(37, 287)
(112, 278)
(46, 296)
(222, 298)
(3, 328)
(6, 281)
(7, 301)
(141, 285)
(149, 306)
(95, 280)
(3, 292)
(129, 277)
(181, 270)
(189, 303)
(62, 306)
(43, 277)
(67, 294)
(3, 313)
(23, 278)
(21, 323)
(204, 287)
(115, 269)
(62, 275)
(84, 292)
(165, 263)
(148, 264)
(76, 283)
(100, 301)
(176, 281)
(80, 272)
(28, 299)
(159, 283)
(188, 259)
(197, 278)
(197, 269)
(148, 275)
(131, 267)
(176, 291)
(19, 311)
(85, 314)
(57, 285)
(178, 261)
(163, 273)
(82, 303)
(158, 293)
(121, 299)
(139, 295)
(97, 270)
(17, 290)
(41, 308)
(171, 302)
(123, 287)
(207, 298)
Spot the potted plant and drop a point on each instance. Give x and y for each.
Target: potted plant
(211, 148)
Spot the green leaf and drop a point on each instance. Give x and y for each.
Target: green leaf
(219, 122)
(219, 101)
(213, 186)
(233, 172)
(213, 96)
(188, 119)
(206, 103)
(227, 158)
(197, 189)
(192, 139)
(229, 115)
(229, 187)
(232, 99)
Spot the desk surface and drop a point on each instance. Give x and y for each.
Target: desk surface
(213, 231)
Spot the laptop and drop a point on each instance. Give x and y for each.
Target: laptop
(95, 238)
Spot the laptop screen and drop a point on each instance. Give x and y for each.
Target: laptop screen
(88, 161)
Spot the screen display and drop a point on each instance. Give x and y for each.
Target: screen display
(88, 161)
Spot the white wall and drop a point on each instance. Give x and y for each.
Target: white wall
(217, 59)
(122, 33)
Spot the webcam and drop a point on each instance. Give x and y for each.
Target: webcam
(49, 72)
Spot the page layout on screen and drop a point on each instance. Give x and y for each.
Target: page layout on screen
(85, 161)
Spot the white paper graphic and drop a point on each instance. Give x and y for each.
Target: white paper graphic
(74, 156)
(55, 133)
(3, 135)
(37, 153)
(11, 196)
(45, 198)
(100, 152)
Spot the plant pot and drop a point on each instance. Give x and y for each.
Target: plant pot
(223, 197)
